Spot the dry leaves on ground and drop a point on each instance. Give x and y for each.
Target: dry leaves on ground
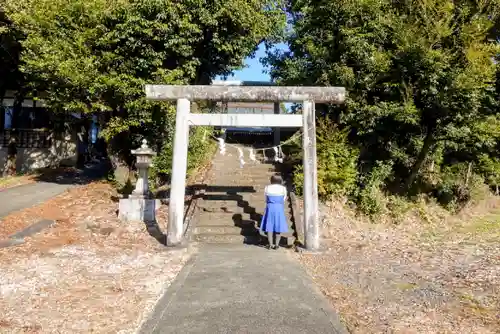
(15, 181)
(89, 273)
(44, 174)
(412, 277)
(20, 220)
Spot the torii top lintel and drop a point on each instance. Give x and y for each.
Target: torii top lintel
(255, 93)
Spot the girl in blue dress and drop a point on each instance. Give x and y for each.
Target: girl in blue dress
(274, 220)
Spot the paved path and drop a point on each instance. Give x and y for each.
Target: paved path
(242, 289)
(230, 287)
(28, 195)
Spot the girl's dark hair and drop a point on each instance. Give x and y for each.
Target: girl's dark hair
(276, 179)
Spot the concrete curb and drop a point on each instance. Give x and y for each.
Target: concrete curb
(10, 242)
(194, 207)
(33, 229)
(18, 238)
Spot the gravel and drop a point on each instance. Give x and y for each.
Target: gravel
(392, 279)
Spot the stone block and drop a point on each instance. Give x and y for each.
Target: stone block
(138, 209)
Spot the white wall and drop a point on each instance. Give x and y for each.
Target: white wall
(30, 159)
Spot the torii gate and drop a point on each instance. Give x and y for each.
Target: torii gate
(256, 93)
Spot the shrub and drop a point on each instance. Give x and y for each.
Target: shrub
(370, 196)
(201, 148)
(337, 162)
(398, 207)
(458, 186)
(490, 169)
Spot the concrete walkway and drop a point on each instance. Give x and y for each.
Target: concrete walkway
(28, 195)
(242, 289)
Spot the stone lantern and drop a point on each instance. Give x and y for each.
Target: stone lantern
(144, 158)
(139, 206)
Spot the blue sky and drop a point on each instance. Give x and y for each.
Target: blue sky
(254, 71)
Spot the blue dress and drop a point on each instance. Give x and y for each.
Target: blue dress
(274, 219)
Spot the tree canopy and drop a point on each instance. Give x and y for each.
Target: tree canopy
(10, 49)
(420, 78)
(422, 113)
(96, 56)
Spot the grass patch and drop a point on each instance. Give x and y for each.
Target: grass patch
(485, 228)
(406, 286)
(471, 307)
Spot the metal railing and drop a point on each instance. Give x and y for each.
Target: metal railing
(27, 138)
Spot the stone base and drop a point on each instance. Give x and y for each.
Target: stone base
(138, 209)
(305, 251)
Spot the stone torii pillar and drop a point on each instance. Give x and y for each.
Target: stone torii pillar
(258, 92)
(277, 130)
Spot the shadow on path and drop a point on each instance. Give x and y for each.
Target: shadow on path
(235, 206)
(74, 176)
(47, 186)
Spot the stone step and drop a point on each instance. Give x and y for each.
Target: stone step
(239, 239)
(262, 179)
(228, 239)
(252, 171)
(233, 209)
(216, 198)
(211, 206)
(228, 213)
(249, 229)
(224, 197)
(225, 220)
(209, 203)
(236, 230)
(249, 168)
(228, 222)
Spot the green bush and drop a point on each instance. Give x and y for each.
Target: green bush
(398, 206)
(201, 148)
(459, 184)
(369, 196)
(490, 169)
(337, 162)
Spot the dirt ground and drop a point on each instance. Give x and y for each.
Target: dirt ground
(89, 273)
(441, 275)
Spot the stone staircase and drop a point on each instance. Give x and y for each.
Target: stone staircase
(233, 203)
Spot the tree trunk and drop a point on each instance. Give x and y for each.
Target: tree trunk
(2, 109)
(11, 163)
(469, 172)
(122, 162)
(424, 152)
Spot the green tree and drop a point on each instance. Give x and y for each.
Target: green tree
(9, 54)
(11, 78)
(96, 56)
(418, 73)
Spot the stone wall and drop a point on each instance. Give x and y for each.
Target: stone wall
(61, 151)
